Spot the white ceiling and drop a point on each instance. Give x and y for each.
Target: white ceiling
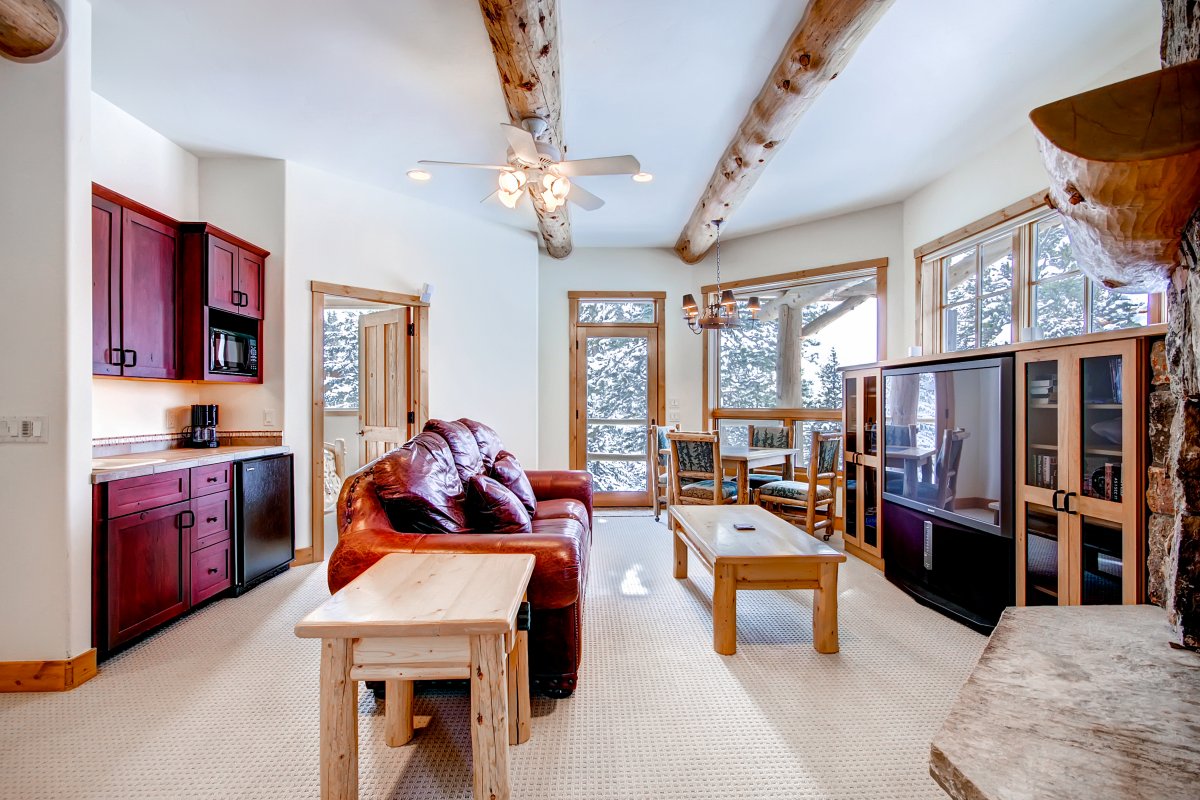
(365, 88)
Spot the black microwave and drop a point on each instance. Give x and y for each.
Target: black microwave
(232, 353)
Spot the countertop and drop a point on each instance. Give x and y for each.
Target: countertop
(1080, 702)
(134, 465)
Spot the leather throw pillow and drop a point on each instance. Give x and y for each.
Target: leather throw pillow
(419, 487)
(508, 471)
(492, 508)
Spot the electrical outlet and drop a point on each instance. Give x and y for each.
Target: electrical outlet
(268, 417)
(23, 429)
(672, 416)
(673, 402)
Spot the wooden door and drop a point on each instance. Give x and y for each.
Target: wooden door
(250, 284)
(222, 274)
(617, 397)
(383, 404)
(148, 297)
(106, 287)
(149, 567)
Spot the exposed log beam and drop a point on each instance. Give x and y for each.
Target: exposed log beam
(28, 28)
(821, 46)
(524, 36)
(837, 312)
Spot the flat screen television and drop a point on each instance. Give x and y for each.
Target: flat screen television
(948, 441)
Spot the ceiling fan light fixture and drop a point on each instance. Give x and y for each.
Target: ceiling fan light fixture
(418, 175)
(512, 182)
(643, 177)
(509, 199)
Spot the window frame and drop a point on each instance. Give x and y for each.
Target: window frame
(710, 345)
(1020, 220)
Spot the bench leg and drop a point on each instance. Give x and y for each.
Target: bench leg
(518, 690)
(725, 609)
(398, 713)
(489, 718)
(825, 623)
(339, 721)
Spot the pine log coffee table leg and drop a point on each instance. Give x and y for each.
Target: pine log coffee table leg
(825, 624)
(339, 721)
(725, 609)
(398, 712)
(680, 551)
(489, 718)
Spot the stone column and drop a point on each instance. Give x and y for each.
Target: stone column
(1180, 591)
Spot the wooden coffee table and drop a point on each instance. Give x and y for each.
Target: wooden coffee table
(774, 555)
(416, 616)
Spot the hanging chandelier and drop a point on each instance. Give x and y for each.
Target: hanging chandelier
(724, 313)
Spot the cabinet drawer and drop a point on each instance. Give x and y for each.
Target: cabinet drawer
(211, 479)
(149, 491)
(212, 520)
(210, 571)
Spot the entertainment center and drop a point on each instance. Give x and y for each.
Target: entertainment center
(1014, 475)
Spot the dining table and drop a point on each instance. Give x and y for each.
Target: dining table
(911, 459)
(742, 459)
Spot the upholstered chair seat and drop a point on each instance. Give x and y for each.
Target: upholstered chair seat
(704, 490)
(793, 490)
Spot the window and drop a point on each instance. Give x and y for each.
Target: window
(615, 312)
(341, 358)
(1016, 280)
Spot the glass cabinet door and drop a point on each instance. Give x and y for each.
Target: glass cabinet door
(870, 423)
(1042, 555)
(1041, 381)
(1101, 429)
(850, 412)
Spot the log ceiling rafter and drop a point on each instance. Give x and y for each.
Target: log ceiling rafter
(525, 42)
(28, 28)
(820, 47)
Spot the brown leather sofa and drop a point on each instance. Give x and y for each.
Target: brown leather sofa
(387, 507)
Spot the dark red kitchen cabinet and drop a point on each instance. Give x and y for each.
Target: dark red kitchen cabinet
(148, 297)
(106, 287)
(250, 283)
(222, 268)
(232, 269)
(148, 570)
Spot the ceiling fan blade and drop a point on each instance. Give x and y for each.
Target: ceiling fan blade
(583, 198)
(522, 143)
(609, 165)
(490, 195)
(462, 164)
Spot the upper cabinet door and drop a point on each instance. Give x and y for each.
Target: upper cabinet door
(250, 284)
(106, 287)
(148, 292)
(222, 272)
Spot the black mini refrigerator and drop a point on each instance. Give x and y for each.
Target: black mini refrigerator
(264, 534)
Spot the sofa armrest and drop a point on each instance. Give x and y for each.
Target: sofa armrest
(549, 484)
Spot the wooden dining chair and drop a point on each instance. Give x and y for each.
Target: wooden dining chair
(696, 474)
(768, 436)
(658, 466)
(812, 500)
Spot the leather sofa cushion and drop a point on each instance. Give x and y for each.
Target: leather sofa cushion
(463, 447)
(419, 487)
(508, 471)
(562, 509)
(492, 508)
(487, 439)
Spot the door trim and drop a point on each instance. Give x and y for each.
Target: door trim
(656, 333)
(417, 352)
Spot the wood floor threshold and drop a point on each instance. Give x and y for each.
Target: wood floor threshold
(48, 676)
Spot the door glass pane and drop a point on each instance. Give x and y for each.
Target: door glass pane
(1112, 311)
(870, 533)
(608, 311)
(851, 394)
(1102, 562)
(1100, 382)
(1041, 556)
(1041, 424)
(1058, 307)
(870, 423)
(618, 412)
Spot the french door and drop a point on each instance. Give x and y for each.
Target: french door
(616, 396)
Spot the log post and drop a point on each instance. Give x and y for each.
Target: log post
(524, 37)
(1180, 44)
(28, 28)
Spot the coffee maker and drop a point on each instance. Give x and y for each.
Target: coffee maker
(203, 430)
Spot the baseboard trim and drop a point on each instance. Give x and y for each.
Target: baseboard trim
(303, 556)
(48, 676)
(862, 555)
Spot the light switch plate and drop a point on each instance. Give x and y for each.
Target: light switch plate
(672, 416)
(23, 429)
(268, 417)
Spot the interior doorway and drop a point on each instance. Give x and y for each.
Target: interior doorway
(617, 391)
(370, 393)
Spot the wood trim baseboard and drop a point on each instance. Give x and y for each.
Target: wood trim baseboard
(303, 556)
(48, 676)
(862, 555)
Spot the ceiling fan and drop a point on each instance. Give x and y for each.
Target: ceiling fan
(535, 168)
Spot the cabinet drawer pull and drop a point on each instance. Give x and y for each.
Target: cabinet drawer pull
(116, 357)
(213, 570)
(213, 478)
(125, 363)
(1054, 499)
(210, 519)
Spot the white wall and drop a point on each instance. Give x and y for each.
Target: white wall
(137, 161)
(45, 308)
(620, 269)
(483, 318)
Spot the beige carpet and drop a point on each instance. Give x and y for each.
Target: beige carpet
(224, 703)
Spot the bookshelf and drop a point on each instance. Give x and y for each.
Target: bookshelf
(1081, 468)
